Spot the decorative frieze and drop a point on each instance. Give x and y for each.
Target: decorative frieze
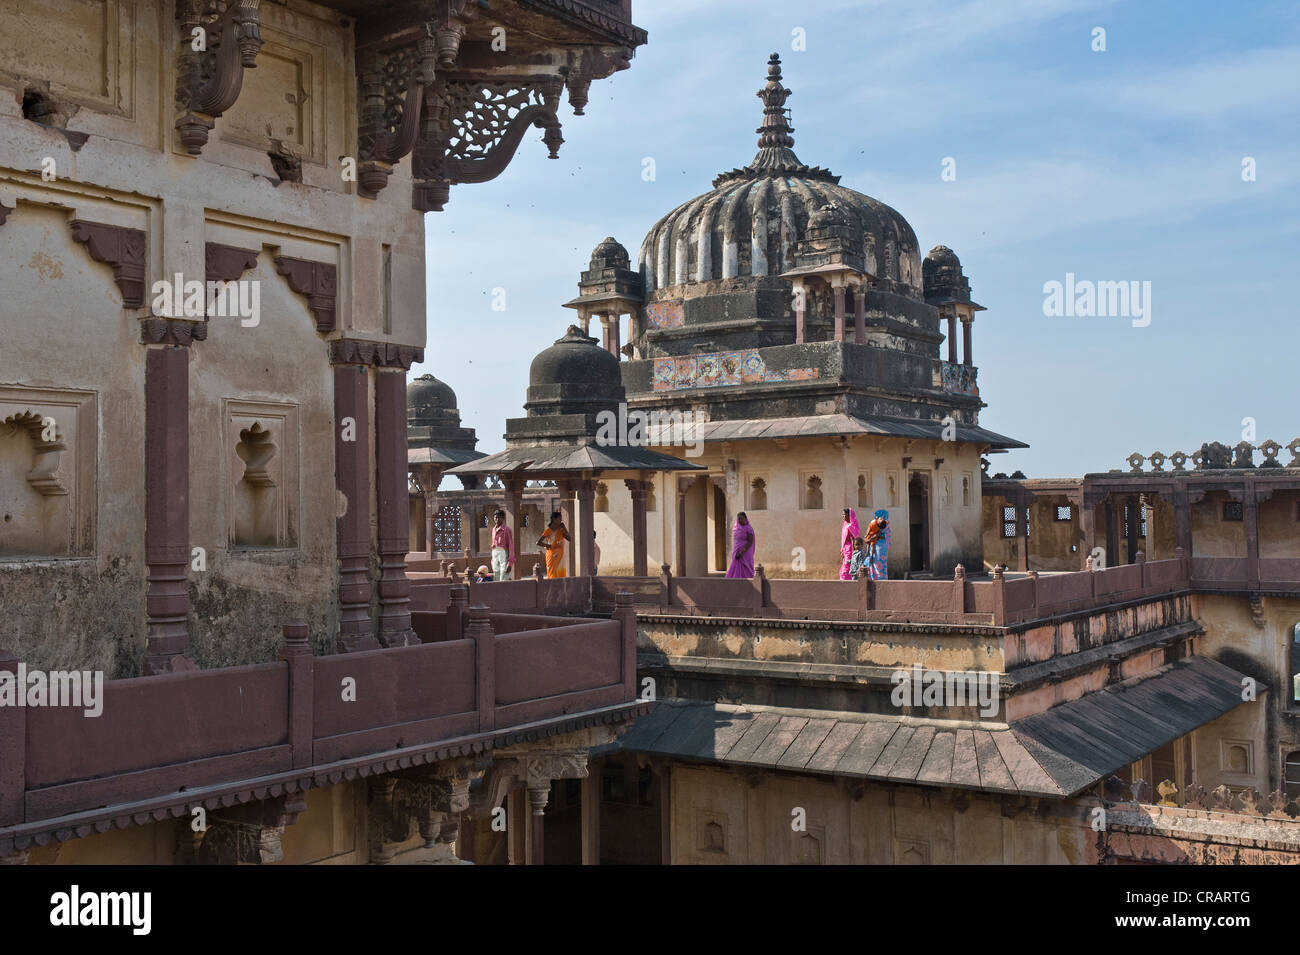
(356, 351)
(1215, 455)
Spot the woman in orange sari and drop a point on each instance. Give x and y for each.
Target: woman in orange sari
(552, 541)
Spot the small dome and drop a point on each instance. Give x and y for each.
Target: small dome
(426, 397)
(610, 254)
(574, 376)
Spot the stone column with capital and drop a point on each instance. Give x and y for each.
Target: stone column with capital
(639, 489)
(566, 487)
(860, 316)
(615, 336)
(539, 793)
(586, 518)
(952, 338)
(352, 528)
(167, 506)
(966, 322)
(394, 514)
(839, 291)
(800, 313)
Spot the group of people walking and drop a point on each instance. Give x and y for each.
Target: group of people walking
(864, 555)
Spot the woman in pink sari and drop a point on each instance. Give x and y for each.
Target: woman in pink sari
(848, 532)
(742, 548)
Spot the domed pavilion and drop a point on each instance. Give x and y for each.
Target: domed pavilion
(794, 318)
(571, 434)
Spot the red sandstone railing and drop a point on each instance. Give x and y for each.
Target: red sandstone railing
(477, 672)
(996, 601)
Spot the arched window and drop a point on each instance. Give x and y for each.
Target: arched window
(650, 503)
(812, 496)
(601, 504)
(864, 490)
(758, 494)
(257, 515)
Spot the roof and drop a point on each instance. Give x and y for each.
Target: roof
(1056, 753)
(442, 455)
(571, 457)
(832, 425)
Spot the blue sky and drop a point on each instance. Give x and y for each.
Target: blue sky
(1116, 165)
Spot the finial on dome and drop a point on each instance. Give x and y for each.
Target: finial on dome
(775, 131)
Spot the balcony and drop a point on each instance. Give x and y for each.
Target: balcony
(167, 744)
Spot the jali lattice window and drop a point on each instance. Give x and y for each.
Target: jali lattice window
(1063, 512)
(446, 529)
(1232, 510)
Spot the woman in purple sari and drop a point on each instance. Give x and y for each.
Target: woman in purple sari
(848, 532)
(742, 548)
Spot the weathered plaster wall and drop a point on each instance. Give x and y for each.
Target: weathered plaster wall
(721, 818)
(1262, 731)
(83, 613)
(785, 524)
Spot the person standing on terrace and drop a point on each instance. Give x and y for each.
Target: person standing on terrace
(877, 540)
(742, 548)
(849, 531)
(552, 541)
(503, 547)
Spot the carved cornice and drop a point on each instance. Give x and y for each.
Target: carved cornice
(208, 81)
(356, 351)
(172, 331)
(121, 248)
(226, 263)
(316, 280)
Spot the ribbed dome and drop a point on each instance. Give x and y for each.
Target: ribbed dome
(749, 223)
(574, 376)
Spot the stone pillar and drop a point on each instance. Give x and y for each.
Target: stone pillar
(538, 795)
(860, 316)
(966, 322)
(615, 335)
(586, 517)
(604, 332)
(838, 291)
(800, 312)
(683, 486)
(352, 481)
(1182, 518)
(638, 489)
(1088, 530)
(952, 338)
(566, 515)
(515, 490)
(167, 507)
(1250, 522)
(394, 515)
(1134, 523)
(1022, 527)
(591, 816)
(1112, 533)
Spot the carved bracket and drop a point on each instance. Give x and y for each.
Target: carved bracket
(250, 833)
(316, 280)
(122, 249)
(226, 263)
(209, 79)
(42, 475)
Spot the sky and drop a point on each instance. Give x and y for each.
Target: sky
(1123, 164)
